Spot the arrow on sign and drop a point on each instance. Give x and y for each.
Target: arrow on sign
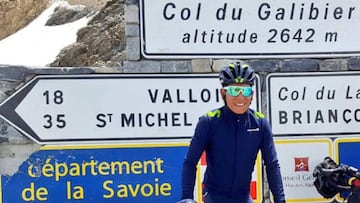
(7, 110)
(87, 108)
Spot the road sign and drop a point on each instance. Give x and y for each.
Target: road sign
(129, 173)
(314, 103)
(249, 29)
(298, 158)
(347, 152)
(74, 108)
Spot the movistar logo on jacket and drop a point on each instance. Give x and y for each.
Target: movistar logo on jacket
(217, 113)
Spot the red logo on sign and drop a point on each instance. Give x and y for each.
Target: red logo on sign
(301, 164)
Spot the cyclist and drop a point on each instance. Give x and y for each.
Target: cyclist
(232, 136)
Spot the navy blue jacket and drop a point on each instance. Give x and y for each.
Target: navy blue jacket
(231, 143)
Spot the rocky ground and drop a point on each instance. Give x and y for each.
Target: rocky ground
(101, 43)
(16, 14)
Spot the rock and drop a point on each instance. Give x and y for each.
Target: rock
(66, 14)
(100, 43)
(16, 14)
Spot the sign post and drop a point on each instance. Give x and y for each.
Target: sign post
(89, 108)
(249, 29)
(129, 173)
(314, 104)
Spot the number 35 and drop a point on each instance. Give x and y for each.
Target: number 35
(59, 121)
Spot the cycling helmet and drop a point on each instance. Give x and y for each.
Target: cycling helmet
(237, 73)
(330, 178)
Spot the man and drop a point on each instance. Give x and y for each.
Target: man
(232, 136)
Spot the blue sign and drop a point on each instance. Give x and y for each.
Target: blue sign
(347, 150)
(117, 173)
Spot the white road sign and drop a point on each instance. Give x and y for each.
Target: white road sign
(249, 29)
(74, 108)
(298, 159)
(314, 103)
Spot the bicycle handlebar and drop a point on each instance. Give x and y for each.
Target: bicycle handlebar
(329, 168)
(348, 170)
(332, 178)
(330, 171)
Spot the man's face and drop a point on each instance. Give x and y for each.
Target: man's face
(238, 104)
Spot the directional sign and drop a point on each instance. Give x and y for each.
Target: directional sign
(314, 103)
(73, 108)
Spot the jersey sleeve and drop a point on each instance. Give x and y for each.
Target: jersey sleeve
(271, 162)
(196, 148)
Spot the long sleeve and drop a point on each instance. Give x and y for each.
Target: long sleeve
(193, 155)
(271, 162)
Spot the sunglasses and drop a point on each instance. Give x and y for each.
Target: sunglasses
(234, 91)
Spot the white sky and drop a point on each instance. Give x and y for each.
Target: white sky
(37, 44)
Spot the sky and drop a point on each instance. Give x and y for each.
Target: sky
(37, 44)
